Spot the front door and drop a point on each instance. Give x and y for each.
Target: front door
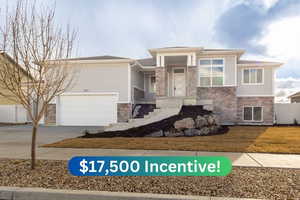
(179, 81)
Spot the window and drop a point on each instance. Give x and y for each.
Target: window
(211, 72)
(253, 113)
(253, 76)
(152, 84)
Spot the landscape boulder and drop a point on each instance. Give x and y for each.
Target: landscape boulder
(210, 120)
(185, 123)
(191, 132)
(159, 133)
(204, 131)
(174, 133)
(200, 122)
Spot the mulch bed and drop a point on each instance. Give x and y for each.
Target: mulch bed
(163, 125)
(247, 182)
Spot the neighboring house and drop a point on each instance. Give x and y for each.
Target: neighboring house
(10, 110)
(108, 87)
(295, 98)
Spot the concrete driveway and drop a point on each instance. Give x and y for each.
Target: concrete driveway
(15, 140)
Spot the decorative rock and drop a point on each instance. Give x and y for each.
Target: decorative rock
(210, 120)
(191, 132)
(174, 133)
(204, 131)
(184, 124)
(200, 122)
(217, 119)
(156, 134)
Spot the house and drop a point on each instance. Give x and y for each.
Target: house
(10, 110)
(108, 88)
(295, 98)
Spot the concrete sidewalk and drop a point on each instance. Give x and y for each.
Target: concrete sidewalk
(17, 193)
(238, 159)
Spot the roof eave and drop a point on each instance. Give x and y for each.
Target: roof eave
(260, 64)
(94, 61)
(153, 52)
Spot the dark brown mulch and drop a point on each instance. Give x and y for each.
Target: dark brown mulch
(164, 125)
(247, 182)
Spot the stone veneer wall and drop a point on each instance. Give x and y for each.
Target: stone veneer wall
(266, 102)
(192, 81)
(124, 112)
(50, 114)
(160, 78)
(224, 102)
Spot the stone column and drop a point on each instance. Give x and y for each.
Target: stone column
(160, 78)
(192, 81)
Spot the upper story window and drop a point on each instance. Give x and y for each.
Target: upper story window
(253, 76)
(211, 72)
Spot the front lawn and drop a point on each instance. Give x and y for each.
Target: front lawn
(277, 139)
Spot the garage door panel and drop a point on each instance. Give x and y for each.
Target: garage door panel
(94, 110)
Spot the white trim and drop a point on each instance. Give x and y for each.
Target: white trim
(91, 61)
(249, 68)
(88, 93)
(211, 66)
(124, 102)
(253, 95)
(236, 71)
(136, 87)
(262, 113)
(129, 83)
(271, 64)
(173, 82)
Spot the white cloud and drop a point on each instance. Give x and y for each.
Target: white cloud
(282, 38)
(286, 87)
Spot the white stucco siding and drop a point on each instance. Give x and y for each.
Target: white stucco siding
(265, 89)
(102, 78)
(230, 71)
(230, 68)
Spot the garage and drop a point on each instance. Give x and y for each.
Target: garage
(87, 109)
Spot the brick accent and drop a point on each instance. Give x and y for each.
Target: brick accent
(124, 112)
(266, 102)
(50, 114)
(224, 102)
(192, 81)
(160, 78)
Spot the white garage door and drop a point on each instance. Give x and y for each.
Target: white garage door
(87, 109)
(13, 114)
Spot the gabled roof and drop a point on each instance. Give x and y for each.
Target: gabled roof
(147, 61)
(297, 94)
(257, 63)
(105, 57)
(11, 60)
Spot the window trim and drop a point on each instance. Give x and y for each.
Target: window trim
(252, 109)
(249, 68)
(211, 65)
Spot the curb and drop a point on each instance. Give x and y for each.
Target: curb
(18, 193)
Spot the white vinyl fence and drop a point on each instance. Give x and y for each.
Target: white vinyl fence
(287, 113)
(12, 114)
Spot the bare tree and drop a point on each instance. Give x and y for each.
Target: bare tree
(37, 71)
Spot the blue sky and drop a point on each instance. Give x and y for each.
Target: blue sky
(266, 29)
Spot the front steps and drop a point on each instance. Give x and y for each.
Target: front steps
(155, 116)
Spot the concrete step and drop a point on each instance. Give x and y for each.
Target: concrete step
(157, 115)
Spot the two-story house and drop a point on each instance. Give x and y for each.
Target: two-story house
(108, 88)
